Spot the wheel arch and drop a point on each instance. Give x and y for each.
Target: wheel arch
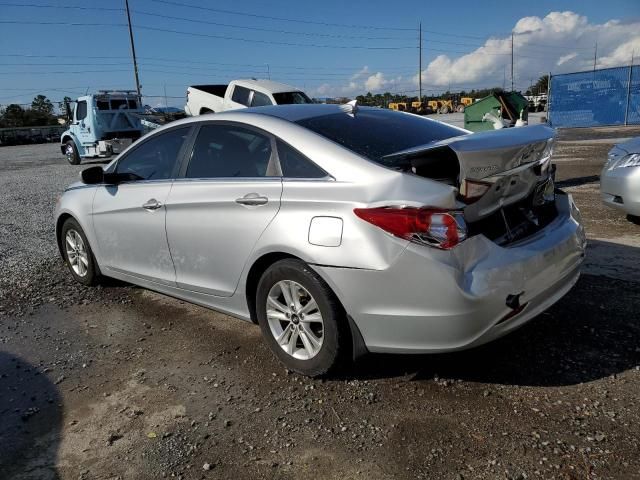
(59, 222)
(66, 136)
(358, 346)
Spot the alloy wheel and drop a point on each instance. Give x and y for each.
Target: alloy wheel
(295, 320)
(76, 253)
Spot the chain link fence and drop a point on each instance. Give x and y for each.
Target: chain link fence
(610, 96)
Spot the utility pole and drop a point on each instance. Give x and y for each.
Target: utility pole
(512, 61)
(268, 71)
(133, 53)
(595, 57)
(420, 63)
(626, 110)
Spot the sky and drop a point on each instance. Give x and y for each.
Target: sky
(328, 48)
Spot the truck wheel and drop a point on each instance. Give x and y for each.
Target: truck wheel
(71, 152)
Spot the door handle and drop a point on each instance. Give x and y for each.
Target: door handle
(152, 204)
(252, 199)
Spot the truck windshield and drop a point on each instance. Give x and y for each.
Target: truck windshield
(287, 98)
(375, 133)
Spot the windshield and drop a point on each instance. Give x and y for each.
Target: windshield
(288, 98)
(375, 133)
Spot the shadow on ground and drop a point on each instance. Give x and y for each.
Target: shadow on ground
(577, 181)
(30, 421)
(593, 332)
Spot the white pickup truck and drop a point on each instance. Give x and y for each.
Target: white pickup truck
(203, 99)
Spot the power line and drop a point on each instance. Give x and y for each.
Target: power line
(206, 35)
(74, 7)
(260, 29)
(282, 19)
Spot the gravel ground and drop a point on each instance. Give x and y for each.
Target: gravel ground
(118, 382)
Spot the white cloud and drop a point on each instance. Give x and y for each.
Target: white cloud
(375, 82)
(560, 39)
(566, 58)
(559, 42)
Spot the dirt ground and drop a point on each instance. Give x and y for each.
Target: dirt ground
(117, 382)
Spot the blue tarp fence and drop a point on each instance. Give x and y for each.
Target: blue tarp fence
(610, 96)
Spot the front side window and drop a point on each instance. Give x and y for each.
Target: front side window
(241, 95)
(223, 151)
(296, 165)
(260, 100)
(288, 98)
(156, 158)
(81, 110)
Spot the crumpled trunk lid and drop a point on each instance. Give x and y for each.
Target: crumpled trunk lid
(512, 163)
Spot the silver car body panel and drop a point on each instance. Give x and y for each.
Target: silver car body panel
(620, 187)
(403, 297)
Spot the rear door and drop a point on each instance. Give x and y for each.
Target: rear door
(216, 213)
(129, 218)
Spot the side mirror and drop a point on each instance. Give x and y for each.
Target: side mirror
(92, 175)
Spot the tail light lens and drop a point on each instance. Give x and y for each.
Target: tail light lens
(438, 228)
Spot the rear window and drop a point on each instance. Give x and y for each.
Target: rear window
(289, 98)
(374, 133)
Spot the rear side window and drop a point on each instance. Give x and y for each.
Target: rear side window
(374, 133)
(295, 165)
(241, 95)
(224, 151)
(288, 98)
(260, 100)
(156, 158)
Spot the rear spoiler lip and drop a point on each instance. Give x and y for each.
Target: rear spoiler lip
(489, 140)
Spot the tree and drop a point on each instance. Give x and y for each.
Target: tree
(42, 105)
(64, 107)
(13, 115)
(542, 85)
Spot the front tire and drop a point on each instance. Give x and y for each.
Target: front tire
(71, 153)
(77, 253)
(301, 319)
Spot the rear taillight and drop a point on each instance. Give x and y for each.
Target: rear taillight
(427, 226)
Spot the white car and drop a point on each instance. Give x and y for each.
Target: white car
(202, 99)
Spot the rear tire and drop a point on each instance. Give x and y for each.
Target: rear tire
(633, 219)
(77, 254)
(301, 319)
(71, 153)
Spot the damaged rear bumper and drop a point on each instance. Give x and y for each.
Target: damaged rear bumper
(434, 301)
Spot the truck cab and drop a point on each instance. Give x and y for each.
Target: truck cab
(101, 125)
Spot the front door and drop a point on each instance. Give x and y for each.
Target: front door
(129, 218)
(215, 215)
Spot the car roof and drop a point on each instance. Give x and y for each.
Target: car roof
(273, 87)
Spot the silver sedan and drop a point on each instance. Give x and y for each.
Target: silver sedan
(339, 230)
(620, 179)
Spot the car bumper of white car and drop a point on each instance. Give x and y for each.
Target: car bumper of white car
(620, 189)
(436, 301)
